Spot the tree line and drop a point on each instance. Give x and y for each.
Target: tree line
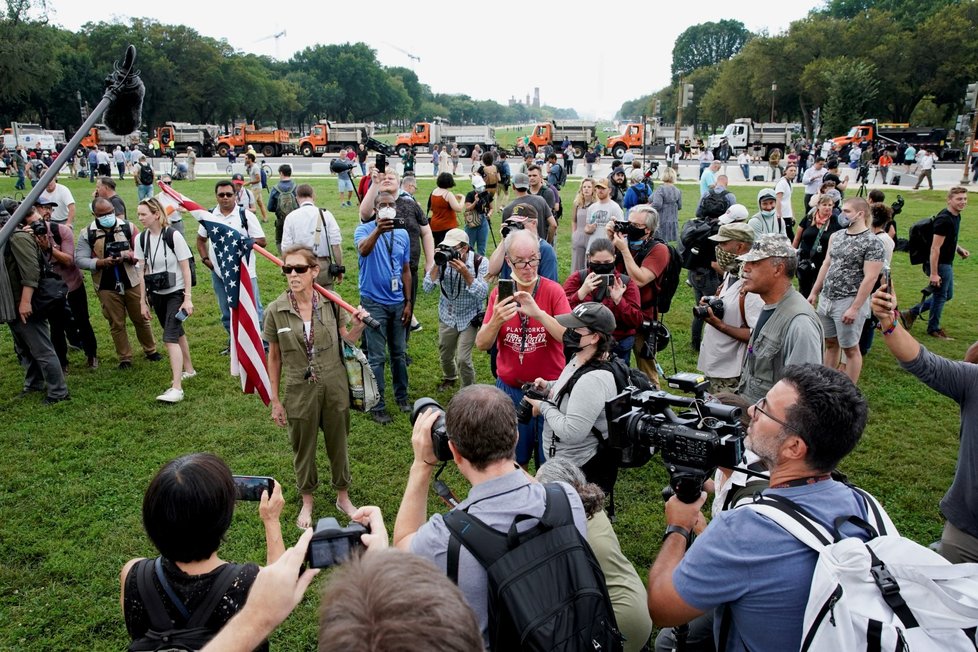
(896, 60)
(50, 72)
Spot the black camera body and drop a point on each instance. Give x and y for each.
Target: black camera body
(620, 226)
(439, 434)
(332, 544)
(692, 443)
(524, 411)
(713, 303)
(445, 254)
(39, 228)
(897, 206)
(336, 270)
(399, 222)
(116, 248)
(511, 225)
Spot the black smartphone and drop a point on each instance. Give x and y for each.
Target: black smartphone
(506, 288)
(381, 163)
(609, 280)
(250, 487)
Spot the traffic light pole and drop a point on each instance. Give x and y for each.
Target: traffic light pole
(680, 96)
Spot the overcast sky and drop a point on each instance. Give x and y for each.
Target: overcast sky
(579, 54)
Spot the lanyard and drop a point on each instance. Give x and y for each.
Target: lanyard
(152, 256)
(801, 482)
(525, 324)
(310, 339)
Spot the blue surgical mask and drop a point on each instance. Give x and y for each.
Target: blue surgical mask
(106, 221)
(844, 220)
(767, 214)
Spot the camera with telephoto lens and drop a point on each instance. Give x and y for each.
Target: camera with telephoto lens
(897, 206)
(332, 544)
(620, 226)
(39, 228)
(692, 443)
(713, 303)
(445, 254)
(511, 225)
(524, 411)
(116, 248)
(439, 434)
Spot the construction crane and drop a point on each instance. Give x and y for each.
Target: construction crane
(413, 57)
(275, 36)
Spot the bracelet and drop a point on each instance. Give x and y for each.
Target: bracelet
(896, 315)
(677, 529)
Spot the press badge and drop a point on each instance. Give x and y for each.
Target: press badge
(395, 284)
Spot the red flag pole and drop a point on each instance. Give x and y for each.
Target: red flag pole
(331, 296)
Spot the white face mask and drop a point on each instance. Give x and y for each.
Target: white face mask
(386, 213)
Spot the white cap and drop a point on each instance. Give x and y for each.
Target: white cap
(736, 213)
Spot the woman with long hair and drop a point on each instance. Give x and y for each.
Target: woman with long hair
(579, 238)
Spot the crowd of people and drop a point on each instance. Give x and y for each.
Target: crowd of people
(791, 356)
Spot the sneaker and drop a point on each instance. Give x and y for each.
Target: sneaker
(381, 417)
(171, 395)
(92, 362)
(125, 364)
(415, 324)
(188, 374)
(908, 318)
(940, 334)
(404, 406)
(51, 400)
(154, 356)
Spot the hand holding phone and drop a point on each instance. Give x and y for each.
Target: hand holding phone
(381, 163)
(506, 288)
(250, 487)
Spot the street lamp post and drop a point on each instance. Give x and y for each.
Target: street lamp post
(774, 89)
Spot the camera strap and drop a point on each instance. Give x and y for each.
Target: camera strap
(321, 227)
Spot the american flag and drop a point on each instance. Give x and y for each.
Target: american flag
(231, 253)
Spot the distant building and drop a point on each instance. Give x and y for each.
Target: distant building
(536, 97)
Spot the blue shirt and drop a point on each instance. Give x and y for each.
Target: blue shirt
(708, 179)
(382, 268)
(548, 264)
(749, 562)
(463, 302)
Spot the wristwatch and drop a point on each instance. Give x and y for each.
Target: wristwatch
(677, 529)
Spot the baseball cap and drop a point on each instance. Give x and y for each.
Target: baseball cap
(523, 212)
(455, 237)
(736, 213)
(590, 315)
(769, 245)
(41, 201)
(238, 177)
(478, 182)
(737, 231)
(521, 181)
(602, 182)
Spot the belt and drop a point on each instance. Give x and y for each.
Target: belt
(324, 257)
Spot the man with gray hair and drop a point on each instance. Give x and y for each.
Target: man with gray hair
(787, 331)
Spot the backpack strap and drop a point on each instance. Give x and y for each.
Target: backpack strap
(244, 219)
(793, 518)
(221, 585)
(159, 619)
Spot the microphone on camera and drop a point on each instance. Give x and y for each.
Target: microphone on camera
(124, 114)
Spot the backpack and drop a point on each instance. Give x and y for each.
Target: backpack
(713, 204)
(505, 176)
(163, 633)
(546, 589)
(641, 193)
(889, 593)
(285, 203)
(491, 175)
(145, 175)
(670, 278)
(168, 239)
(921, 238)
(93, 234)
(692, 236)
(561, 176)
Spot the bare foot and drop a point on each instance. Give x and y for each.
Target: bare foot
(304, 520)
(344, 504)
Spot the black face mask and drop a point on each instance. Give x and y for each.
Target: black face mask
(572, 341)
(601, 268)
(636, 232)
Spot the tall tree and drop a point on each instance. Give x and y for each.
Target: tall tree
(707, 44)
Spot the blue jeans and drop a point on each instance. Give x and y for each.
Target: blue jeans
(745, 168)
(623, 349)
(935, 302)
(703, 166)
(390, 335)
(222, 302)
(20, 178)
(144, 192)
(531, 434)
(478, 236)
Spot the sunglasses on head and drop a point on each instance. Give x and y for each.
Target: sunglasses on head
(225, 194)
(298, 269)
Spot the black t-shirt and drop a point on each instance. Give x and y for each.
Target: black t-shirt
(414, 217)
(485, 200)
(118, 205)
(809, 235)
(947, 224)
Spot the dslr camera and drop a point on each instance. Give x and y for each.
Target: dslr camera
(620, 226)
(524, 411)
(439, 434)
(511, 225)
(336, 270)
(332, 544)
(897, 206)
(39, 228)
(116, 248)
(713, 303)
(693, 436)
(445, 254)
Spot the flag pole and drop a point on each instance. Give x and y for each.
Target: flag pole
(332, 296)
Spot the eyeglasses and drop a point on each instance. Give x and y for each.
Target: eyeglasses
(761, 404)
(298, 269)
(533, 262)
(225, 194)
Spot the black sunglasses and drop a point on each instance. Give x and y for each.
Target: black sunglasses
(298, 269)
(225, 194)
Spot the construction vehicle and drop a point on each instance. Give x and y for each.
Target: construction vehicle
(329, 136)
(426, 134)
(743, 133)
(28, 136)
(873, 132)
(268, 141)
(203, 138)
(580, 133)
(634, 135)
(100, 136)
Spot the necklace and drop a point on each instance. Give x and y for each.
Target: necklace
(310, 337)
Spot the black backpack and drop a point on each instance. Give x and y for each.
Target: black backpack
(168, 239)
(713, 204)
(163, 633)
(670, 278)
(642, 192)
(693, 237)
(921, 238)
(145, 175)
(546, 589)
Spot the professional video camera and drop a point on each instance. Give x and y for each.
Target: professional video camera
(657, 338)
(897, 206)
(116, 248)
(692, 444)
(863, 175)
(712, 303)
(445, 254)
(511, 225)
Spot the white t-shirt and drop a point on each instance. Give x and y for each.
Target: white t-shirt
(813, 179)
(63, 198)
(599, 214)
(743, 159)
(784, 189)
(722, 356)
(300, 229)
(234, 221)
(927, 162)
(158, 257)
(888, 247)
(245, 198)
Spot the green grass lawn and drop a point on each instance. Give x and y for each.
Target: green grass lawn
(74, 474)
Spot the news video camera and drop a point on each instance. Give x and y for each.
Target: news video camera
(692, 444)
